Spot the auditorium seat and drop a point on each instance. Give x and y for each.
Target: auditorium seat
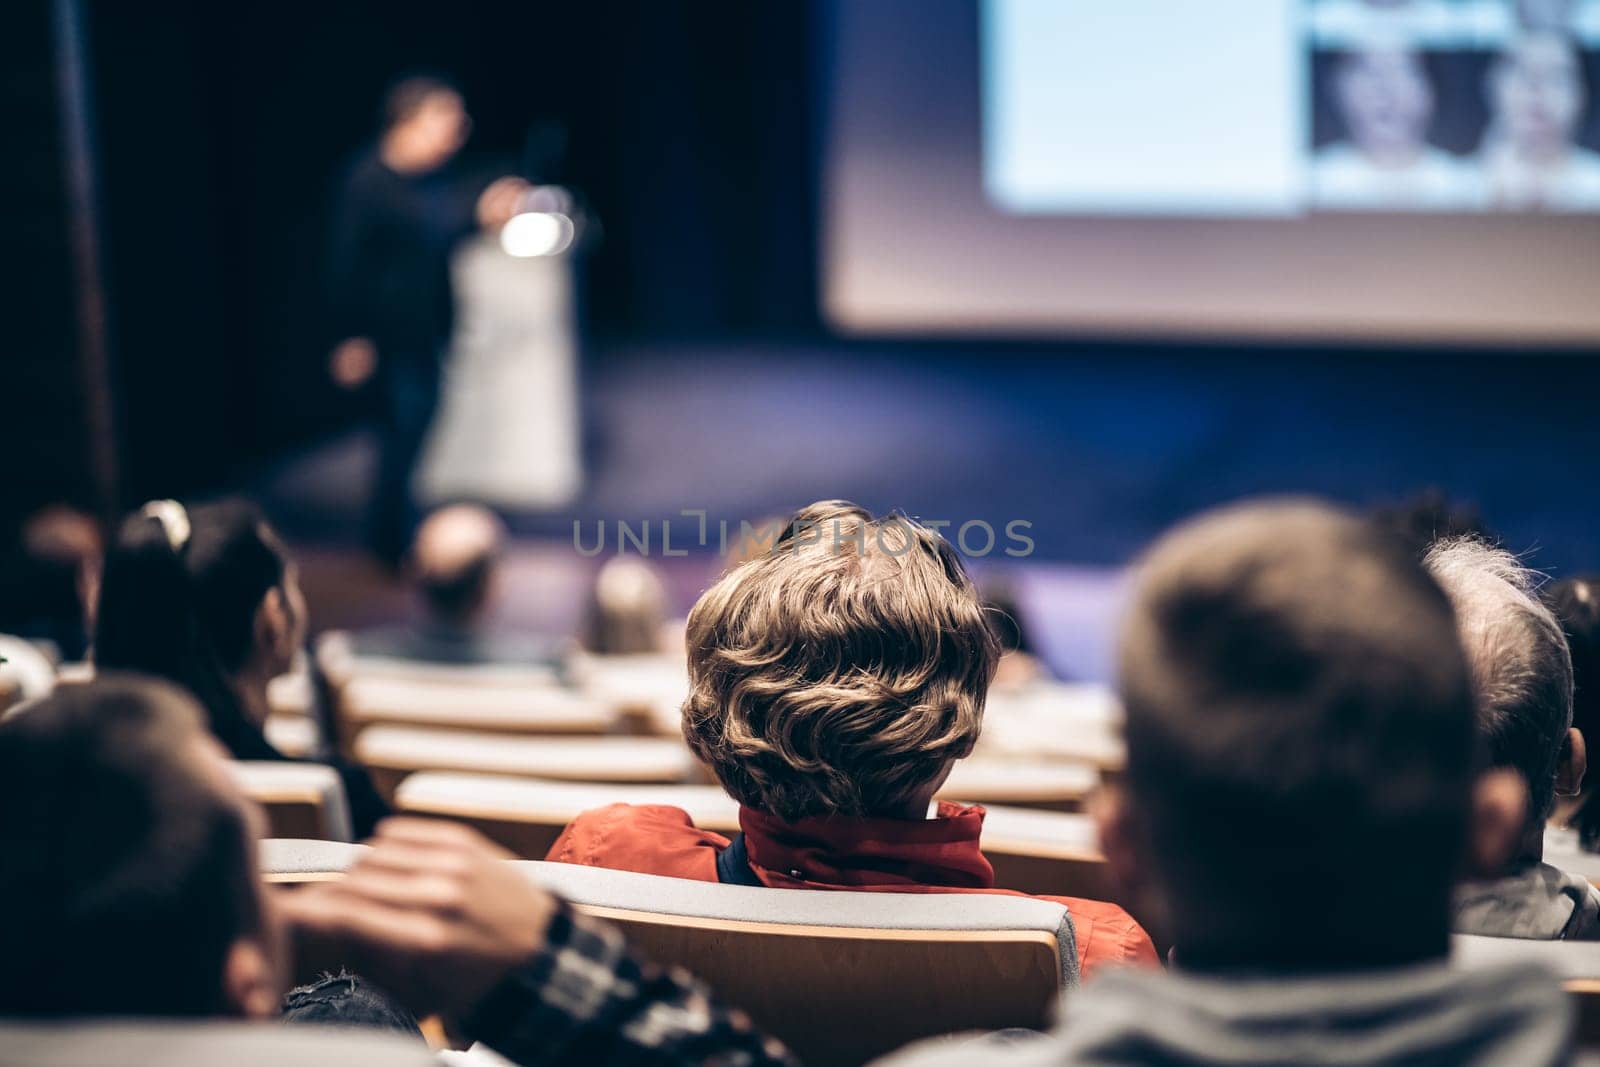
(527, 710)
(301, 800)
(1052, 720)
(80, 1043)
(1040, 852)
(842, 977)
(1054, 785)
(339, 661)
(1561, 849)
(393, 752)
(648, 690)
(296, 736)
(290, 694)
(527, 815)
(1047, 853)
(290, 861)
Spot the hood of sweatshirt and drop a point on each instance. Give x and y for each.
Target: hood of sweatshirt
(1427, 1014)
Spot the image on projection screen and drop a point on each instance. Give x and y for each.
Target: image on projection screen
(1286, 108)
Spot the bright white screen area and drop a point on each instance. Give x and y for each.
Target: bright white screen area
(1144, 106)
(1327, 170)
(1263, 107)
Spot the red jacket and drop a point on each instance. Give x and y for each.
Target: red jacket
(939, 855)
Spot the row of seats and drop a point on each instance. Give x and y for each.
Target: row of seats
(1039, 852)
(843, 977)
(615, 719)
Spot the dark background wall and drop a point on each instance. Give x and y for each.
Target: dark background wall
(690, 128)
(43, 433)
(685, 125)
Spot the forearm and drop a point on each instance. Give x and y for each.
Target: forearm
(585, 999)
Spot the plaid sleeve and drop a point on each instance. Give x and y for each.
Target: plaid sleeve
(585, 999)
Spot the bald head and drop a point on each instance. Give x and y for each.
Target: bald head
(453, 559)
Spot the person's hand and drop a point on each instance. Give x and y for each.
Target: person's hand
(500, 201)
(353, 362)
(432, 915)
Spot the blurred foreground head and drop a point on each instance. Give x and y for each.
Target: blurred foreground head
(454, 559)
(1300, 742)
(129, 883)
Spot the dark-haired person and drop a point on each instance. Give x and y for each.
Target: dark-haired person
(1522, 672)
(400, 210)
(1576, 604)
(1299, 797)
(207, 597)
(835, 680)
(1302, 790)
(129, 884)
(130, 889)
(454, 564)
(50, 576)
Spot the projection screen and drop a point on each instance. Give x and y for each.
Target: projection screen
(1370, 170)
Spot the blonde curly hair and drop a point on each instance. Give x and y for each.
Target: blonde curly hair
(841, 671)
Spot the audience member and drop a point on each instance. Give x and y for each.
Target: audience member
(1522, 675)
(129, 886)
(1019, 665)
(130, 889)
(52, 580)
(207, 597)
(834, 682)
(454, 565)
(1300, 721)
(629, 614)
(1298, 800)
(1302, 789)
(1576, 604)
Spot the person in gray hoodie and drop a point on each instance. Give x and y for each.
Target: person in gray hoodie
(1302, 791)
(1522, 674)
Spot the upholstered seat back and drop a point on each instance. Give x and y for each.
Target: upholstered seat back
(843, 977)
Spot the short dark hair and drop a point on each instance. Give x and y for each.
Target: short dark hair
(405, 96)
(457, 593)
(125, 876)
(1299, 723)
(1521, 669)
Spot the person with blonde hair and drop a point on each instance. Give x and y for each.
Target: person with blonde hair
(835, 680)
